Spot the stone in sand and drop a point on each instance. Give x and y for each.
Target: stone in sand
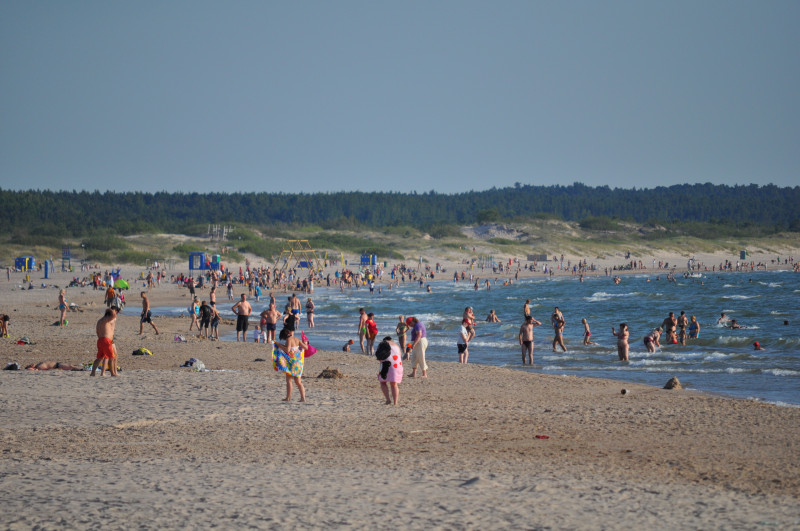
(673, 383)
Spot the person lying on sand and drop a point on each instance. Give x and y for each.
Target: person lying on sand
(53, 365)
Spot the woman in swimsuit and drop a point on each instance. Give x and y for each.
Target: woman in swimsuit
(694, 328)
(310, 312)
(62, 307)
(194, 309)
(622, 341)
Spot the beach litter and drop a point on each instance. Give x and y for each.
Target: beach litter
(195, 364)
(179, 338)
(141, 351)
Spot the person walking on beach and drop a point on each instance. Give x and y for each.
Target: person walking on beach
(419, 344)
(462, 341)
(205, 319)
(622, 341)
(194, 310)
(401, 329)
(62, 308)
(106, 352)
(289, 358)
(362, 327)
(110, 295)
(525, 337)
(242, 311)
(391, 373)
(372, 333)
(4, 320)
(271, 316)
(147, 315)
(215, 319)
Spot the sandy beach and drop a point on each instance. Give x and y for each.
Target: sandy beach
(163, 447)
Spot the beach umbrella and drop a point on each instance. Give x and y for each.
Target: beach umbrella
(121, 284)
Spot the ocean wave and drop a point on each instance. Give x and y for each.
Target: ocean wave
(604, 296)
(781, 372)
(739, 297)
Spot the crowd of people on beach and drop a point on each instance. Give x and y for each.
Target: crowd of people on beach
(412, 337)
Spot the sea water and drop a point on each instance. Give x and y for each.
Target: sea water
(722, 360)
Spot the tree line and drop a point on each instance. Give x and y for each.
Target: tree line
(60, 214)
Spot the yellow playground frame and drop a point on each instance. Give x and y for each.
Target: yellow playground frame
(299, 250)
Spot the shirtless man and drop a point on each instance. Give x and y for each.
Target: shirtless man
(295, 304)
(147, 315)
(669, 325)
(526, 309)
(526, 338)
(242, 310)
(270, 316)
(683, 322)
(105, 343)
(362, 327)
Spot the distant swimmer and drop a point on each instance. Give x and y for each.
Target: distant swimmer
(723, 319)
(757, 346)
(735, 325)
(492, 317)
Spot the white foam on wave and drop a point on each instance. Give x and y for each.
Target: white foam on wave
(739, 297)
(781, 372)
(603, 296)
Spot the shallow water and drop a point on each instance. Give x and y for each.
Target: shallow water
(721, 360)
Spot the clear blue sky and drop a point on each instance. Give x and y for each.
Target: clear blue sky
(449, 96)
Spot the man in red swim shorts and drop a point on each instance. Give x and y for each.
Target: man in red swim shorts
(105, 342)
